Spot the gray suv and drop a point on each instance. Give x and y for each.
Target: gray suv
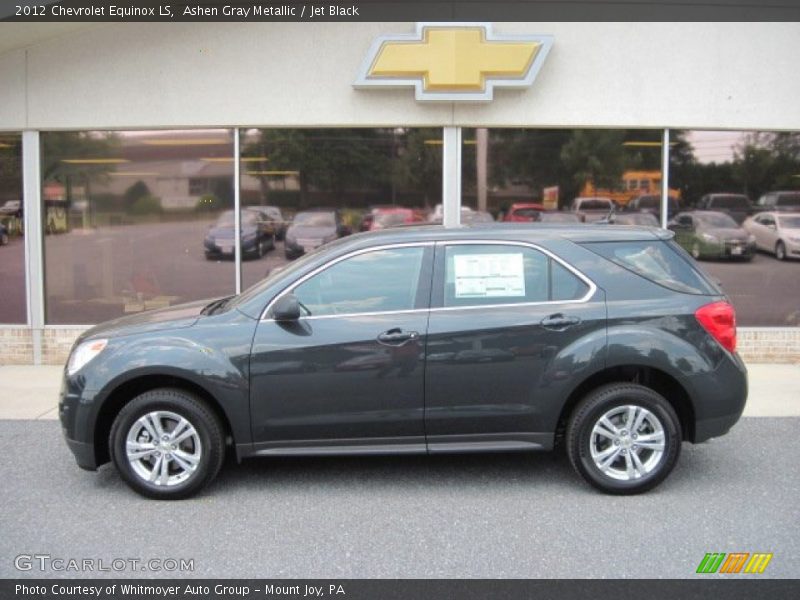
(609, 342)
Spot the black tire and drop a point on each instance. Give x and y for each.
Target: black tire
(271, 242)
(597, 404)
(780, 250)
(185, 405)
(3, 239)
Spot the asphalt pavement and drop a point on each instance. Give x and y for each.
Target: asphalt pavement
(494, 516)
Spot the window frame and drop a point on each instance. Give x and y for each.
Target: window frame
(439, 276)
(423, 286)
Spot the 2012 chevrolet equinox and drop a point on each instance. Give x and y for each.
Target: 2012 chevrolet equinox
(422, 340)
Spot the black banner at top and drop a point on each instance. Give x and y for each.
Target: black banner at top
(397, 10)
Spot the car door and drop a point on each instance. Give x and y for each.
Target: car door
(349, 372)
(759, 228)
(769, 233)
(497, 366)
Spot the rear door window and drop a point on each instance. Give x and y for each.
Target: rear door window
(488, 274)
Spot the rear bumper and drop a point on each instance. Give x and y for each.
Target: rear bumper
(720, 400)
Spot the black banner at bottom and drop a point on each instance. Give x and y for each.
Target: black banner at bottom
(399, 589)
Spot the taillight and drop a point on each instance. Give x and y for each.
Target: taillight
(719, 319)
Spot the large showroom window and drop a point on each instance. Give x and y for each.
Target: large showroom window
(739, 196)
(129, 217)
(718, 184)
(12, 246)
(311, 186)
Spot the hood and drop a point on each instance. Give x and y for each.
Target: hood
(727, 233)
(174, 317)
(312, 233)
(226, 232)
(792, 232)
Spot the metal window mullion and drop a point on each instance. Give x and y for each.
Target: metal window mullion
(237, 216)
(665, 179)
(34, 255)
(451, 177)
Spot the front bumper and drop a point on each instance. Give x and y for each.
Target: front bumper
(728, 249)
(84, 454)
(73, 416)
(792, 248)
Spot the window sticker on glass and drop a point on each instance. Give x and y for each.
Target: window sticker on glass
(489, 275)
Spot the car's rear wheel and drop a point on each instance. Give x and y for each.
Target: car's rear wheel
(780, 251)
(624, 438)
(3, 239)
(167, 444)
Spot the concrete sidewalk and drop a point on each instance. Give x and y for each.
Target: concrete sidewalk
(32, 392)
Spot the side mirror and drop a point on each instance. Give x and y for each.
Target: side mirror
(286, 308)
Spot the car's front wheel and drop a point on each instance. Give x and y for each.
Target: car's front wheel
(780, 251)
(623, 438)
(167, 444)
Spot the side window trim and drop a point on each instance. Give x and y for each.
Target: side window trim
(437, 295)
(423, 290)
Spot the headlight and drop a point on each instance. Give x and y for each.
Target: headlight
(84, 353)
(795, 239)
(710, 238)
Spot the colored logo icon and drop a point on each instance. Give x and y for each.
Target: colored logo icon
(734, 562)
(454, 61)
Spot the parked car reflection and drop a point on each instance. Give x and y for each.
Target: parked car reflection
(738, 206)
(524, 212)
(777, 233)
(555, 216)
(257, 234)
(311, 229)
(591, 209)
(781, 201)
(707, 234)
(652, 203)
(646, 219)
(392, 216)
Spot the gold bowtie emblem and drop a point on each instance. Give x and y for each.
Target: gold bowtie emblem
(454, 62)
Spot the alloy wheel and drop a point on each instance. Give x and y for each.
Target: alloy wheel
(163, 448)
(627, 442)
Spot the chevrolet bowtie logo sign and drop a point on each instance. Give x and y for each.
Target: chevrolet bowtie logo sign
(454, 61)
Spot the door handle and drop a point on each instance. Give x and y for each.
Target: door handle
(559, 322)
(396, 337)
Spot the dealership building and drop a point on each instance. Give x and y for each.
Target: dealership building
(124, 145)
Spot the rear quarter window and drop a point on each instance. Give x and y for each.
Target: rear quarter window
(663, 263)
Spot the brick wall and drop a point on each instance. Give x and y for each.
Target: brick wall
(756, 345)
(16, 346)
(56, 344)
(769, 344)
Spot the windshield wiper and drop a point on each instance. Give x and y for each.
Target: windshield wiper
(216, 305)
